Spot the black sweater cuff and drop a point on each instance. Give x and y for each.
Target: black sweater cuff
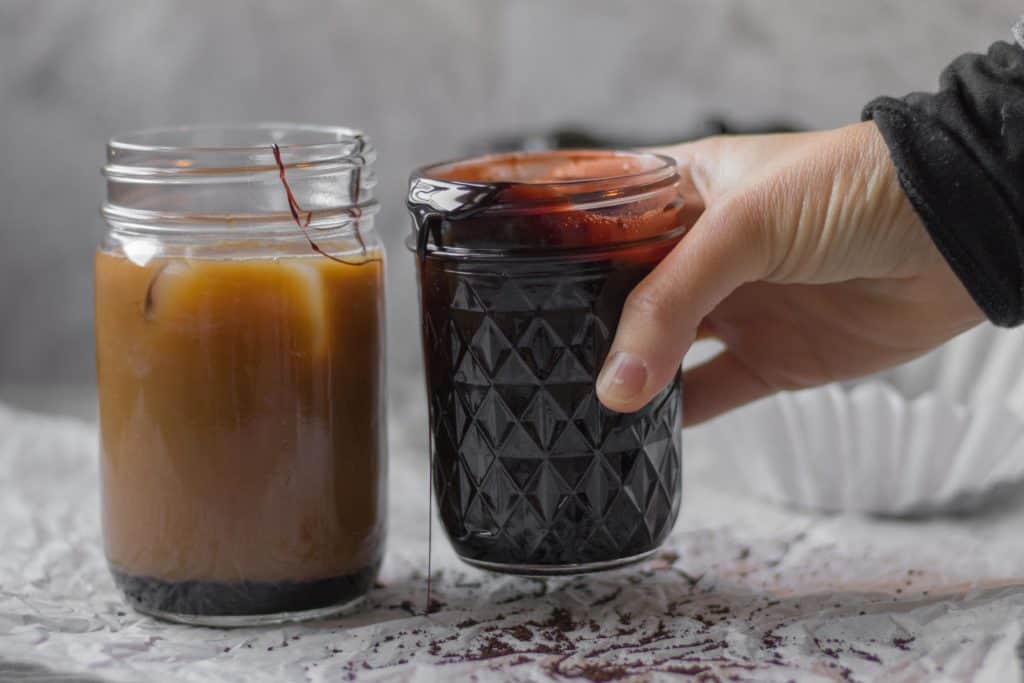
(960, 158)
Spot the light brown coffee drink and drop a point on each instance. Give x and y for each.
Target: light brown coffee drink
(242, 445)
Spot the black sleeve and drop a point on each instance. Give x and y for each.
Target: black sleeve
(960, 157)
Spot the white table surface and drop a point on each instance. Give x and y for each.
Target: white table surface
(742, 591)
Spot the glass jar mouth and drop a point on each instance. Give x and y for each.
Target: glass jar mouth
(457, 188)
(227, 149)
(535, 202)
(570, 167)
(216, 136)
(241, 178)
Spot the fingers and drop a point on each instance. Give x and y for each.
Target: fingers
(722, 251)
(719, 385)
(661, 316)
(697, 169)
(713, 167)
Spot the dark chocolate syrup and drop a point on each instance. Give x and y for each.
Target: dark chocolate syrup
(147, 306)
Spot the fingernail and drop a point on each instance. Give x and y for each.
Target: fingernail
(623, 377)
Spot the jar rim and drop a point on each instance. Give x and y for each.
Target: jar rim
(599, 192)
(229, 148)
(661, 164)
(146, 138)
(236, 177)
(432, 190)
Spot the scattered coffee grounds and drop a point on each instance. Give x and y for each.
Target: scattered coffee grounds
(865, 655)
(494, 647)
(608, 598)
(541, 590)
(602, 635)
(903, 643)
(825, 650)
(521, 633)
(598, 672)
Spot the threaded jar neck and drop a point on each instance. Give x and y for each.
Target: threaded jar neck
(240, 180)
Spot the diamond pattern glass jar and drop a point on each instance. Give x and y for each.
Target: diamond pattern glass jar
(525, 262)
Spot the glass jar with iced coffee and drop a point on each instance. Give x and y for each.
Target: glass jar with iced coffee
(240, 368)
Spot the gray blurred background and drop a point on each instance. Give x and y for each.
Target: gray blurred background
(424, 79)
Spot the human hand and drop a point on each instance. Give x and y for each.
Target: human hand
(807, 262)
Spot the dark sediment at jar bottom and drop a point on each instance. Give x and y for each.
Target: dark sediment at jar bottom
(242, 598)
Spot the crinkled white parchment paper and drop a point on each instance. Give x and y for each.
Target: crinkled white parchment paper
(742, 591)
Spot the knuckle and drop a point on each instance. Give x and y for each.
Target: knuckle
(649, 301)
(755, 216)
(703, 165)
(747, 217)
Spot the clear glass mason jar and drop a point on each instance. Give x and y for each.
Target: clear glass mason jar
(240, 371)
(525, 262)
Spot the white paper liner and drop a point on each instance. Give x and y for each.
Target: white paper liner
(741, 591)
(944, 432)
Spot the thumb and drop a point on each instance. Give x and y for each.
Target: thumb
(660, 319)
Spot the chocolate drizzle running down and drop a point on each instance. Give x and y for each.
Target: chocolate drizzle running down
(430, 511)
(427, 210)
(429, 201)
(354, 211)
(147, 306)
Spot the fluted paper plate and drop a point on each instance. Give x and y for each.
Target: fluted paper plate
(943, 432)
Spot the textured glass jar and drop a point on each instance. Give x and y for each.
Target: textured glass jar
(240, 370)
(525, 262)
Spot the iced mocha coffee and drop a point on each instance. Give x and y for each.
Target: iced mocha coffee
(242, 448)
